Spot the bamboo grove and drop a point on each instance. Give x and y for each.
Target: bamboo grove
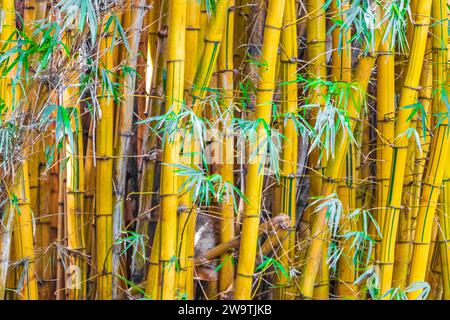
(224, 149)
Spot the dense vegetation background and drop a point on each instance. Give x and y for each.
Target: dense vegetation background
(224, 149)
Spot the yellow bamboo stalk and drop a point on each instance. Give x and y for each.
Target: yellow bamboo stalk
(385, 126)
(255, 175)
(341, 71)
(226, 165)
(317, 69)
(408, 97)
(187, 218)
(171, 149)
(104, 177)
(288, 183)
(23, 234)
(439, 150)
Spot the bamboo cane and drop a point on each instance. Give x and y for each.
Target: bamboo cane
(226, 164)
(104, 177)
(255, 175)
(171, 149)
(288, 66)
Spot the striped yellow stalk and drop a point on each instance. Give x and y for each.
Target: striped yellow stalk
(104, 176)
(385, 127)
(408, 96)
(186, 222)
(169, 180)
(288, 183)
(75, 191)
(133, 17)
(255, 171)
(226, 162)
(439, 149)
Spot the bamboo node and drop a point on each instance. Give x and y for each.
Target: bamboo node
(412, 88)
(268, 26)
(244, 275)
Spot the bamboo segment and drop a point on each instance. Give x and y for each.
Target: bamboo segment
(171, 149)
(255, 175)
(408, 97)
(104, 177)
